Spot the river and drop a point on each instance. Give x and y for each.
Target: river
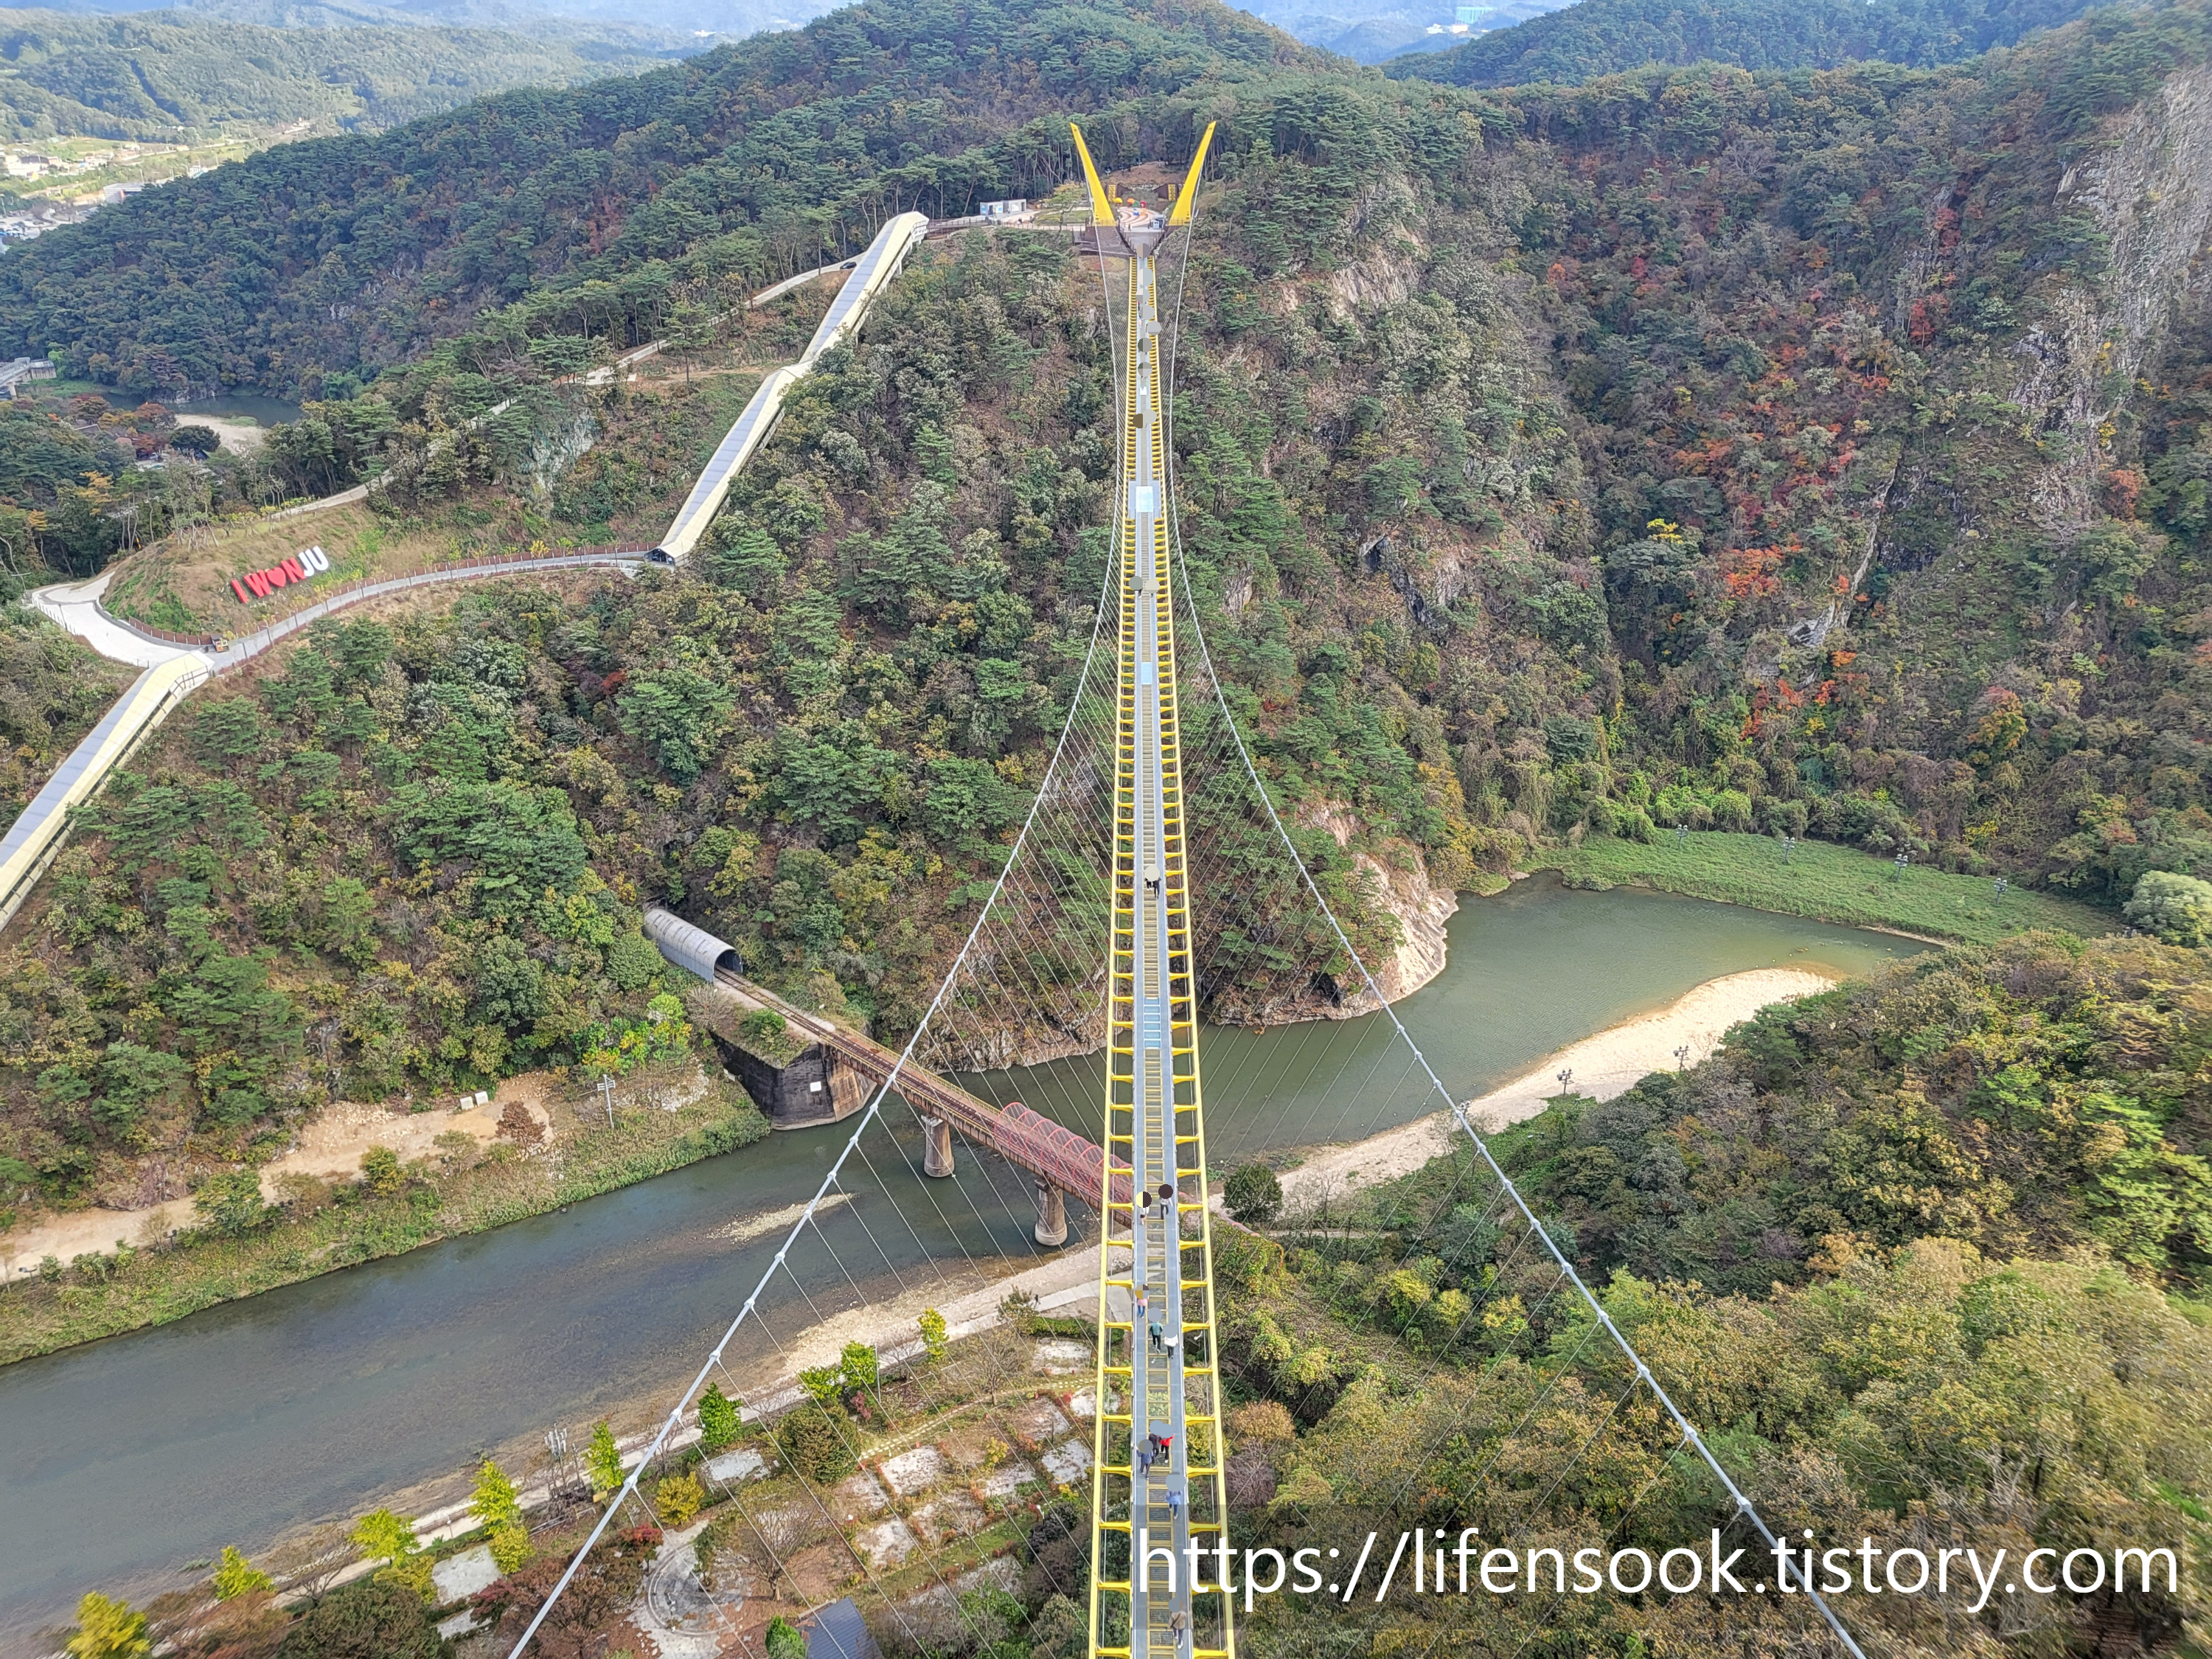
(222, 405)
(126, 1458)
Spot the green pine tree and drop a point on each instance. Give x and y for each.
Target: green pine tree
(718, 1418)
(109, 1630)
(857, 1363)
(236, 1575)
(603, 1464)
(495, 1503)
(383, 1536)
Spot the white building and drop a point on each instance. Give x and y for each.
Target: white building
(16, 377)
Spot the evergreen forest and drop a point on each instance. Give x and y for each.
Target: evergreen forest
(1582, 444)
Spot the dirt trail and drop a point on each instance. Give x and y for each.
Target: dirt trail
(330, 1146)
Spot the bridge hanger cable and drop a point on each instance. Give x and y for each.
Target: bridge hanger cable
(996, 913)
(1083, 726)
(762, 1319)
(1554, 1407)
(1546, 1379)
(1743, 1503)
(1564, 1281)
(1221, 742)
(1745, 1507)
(628, 1489)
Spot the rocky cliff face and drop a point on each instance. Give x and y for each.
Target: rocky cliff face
(1422, 911)
(2150, 189)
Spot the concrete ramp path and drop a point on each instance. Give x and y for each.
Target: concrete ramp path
(172, 672)
(76, 607)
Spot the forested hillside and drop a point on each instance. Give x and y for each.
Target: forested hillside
(2050, 1101)
(1923, 1259)
(1609, 37)
(1532, 492)
(349, 255)
(1814, 453)
(1704, 450)
(171, 76)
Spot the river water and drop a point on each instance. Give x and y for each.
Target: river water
(223, 406)
(125, 1460)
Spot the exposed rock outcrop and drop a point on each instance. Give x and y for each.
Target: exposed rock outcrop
(2150, 189)
(1422, 911)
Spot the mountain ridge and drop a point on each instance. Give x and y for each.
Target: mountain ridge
(1612, 37)
(173, 75)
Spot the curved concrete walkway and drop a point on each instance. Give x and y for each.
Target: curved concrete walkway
(172, 672)
(232, 652)
(76, 607)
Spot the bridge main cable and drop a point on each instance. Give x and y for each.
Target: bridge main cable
(1159, 1505)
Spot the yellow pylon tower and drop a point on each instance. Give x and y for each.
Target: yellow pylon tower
(1157, 1450)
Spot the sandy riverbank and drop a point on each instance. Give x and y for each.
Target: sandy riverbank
(1605, 1065)
(969, 1294)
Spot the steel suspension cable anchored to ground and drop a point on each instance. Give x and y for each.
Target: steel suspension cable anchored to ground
(1743, 1504)
(629, 1484)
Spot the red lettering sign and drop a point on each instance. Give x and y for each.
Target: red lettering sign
(298, 568)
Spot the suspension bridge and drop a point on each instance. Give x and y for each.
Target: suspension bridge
(1158, 1450)
(1153, 883)
(1152, 886)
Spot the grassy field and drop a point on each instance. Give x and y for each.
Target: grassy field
(625, 488)
(184, 584)
(154, 1286)
(1824, 881)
